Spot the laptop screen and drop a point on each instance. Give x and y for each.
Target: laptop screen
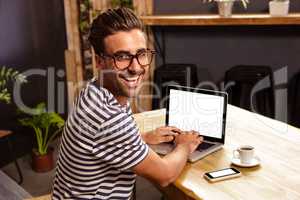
(196, 109)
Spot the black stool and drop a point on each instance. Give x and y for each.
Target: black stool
(172, 74)
(4, 134)
(240, 82)
(294, 99)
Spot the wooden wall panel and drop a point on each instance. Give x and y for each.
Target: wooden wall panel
(144, 100)
(74, 67)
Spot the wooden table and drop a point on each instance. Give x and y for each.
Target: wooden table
(276, 143)
(45, 197)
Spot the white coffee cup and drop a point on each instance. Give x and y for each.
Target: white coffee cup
(245, 153)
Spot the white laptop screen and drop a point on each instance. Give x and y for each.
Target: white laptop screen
(196, 111)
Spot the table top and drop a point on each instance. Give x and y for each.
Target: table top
(4, 133)
(277, 145)
(44, 197)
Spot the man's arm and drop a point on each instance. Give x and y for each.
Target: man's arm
(165, 170)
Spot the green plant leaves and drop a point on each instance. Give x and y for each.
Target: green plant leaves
(46, 125)
(5, 96)
(122, 3)
(9, 74)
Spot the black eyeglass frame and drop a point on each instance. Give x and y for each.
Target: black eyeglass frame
(132, 57)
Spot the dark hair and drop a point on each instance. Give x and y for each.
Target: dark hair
(110, 22)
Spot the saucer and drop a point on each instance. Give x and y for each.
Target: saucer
(255, 162)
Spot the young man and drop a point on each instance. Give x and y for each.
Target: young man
(101, 148)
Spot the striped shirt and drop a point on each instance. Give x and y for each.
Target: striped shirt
(99, 146)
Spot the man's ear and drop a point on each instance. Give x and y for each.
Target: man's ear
(100, 62)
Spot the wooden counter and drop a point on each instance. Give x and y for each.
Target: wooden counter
(216, 20)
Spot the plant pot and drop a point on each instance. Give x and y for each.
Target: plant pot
(279, 8)
(42, 163)
(225, 8)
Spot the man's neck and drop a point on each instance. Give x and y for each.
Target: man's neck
(122, 100)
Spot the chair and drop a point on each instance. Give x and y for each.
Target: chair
(294, 99)
(251, 88)
(4, 134)
(176, 74)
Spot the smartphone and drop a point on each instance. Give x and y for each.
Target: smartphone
(222, 174)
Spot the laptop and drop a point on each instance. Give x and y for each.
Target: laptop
(196, 109)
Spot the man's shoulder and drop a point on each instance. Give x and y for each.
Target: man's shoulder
(97, 101)
(92, 93)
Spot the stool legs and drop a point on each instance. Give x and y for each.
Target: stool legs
(12, 154)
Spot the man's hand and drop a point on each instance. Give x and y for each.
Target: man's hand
(161, 134)
(165, 170)
(190, 139)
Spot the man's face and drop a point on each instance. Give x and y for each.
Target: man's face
(124, 83)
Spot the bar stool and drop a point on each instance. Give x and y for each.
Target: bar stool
(242, 79)
(294, 99)
(4, 134)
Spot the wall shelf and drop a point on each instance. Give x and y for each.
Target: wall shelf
(215, 20)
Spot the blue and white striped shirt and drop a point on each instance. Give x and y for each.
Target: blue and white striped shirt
(99, 146)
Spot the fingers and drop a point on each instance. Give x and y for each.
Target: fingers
(194, 137)
(194, 132)
(168, 138)
(191, 133)
(200, 140)
(169, 133)
(168, 130)
(175, 129)
(173, 133)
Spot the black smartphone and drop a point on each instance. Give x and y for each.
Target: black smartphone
(222, 174)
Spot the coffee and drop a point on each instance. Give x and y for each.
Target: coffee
(246, 148)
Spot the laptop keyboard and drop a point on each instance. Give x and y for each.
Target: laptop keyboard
(204, 146)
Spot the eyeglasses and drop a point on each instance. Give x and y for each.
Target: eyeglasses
(124, 60)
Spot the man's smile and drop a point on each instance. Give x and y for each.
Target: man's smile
(131, 81)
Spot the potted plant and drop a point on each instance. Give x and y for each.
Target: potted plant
(279, 7)
(122, 3)
(7, 75)
(46, 125)
(225, 6)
